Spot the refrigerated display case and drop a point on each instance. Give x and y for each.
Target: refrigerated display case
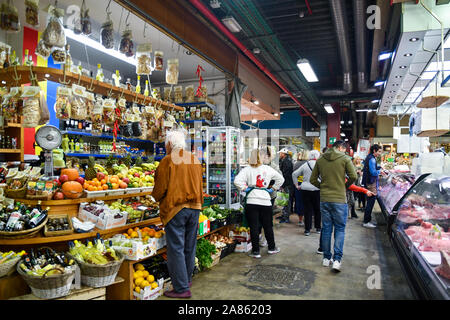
(392, 188)
(419, 232)
(222, 164)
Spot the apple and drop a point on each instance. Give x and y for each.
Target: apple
(126, 180)
(80, 180)
(100, 176)
(137, 175)
(152, 172)
(147, 173)
(63, 178)
(58, 196)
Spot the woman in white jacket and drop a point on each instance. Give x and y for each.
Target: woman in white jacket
(310, 194)
(255, 180)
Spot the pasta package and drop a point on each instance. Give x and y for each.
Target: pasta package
(63, 103)
(172, 71)
(12, 104)
(89, 99)
(144, 59)
(97, 116)
(167, 94)
(109, 117)
(178, 94)
(122, 105)
(78, 109)
(43, 50)
(85, 21)
(31, 106)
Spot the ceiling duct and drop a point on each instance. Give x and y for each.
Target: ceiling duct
(359, 16)
(338, 13)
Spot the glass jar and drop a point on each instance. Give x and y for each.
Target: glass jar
(159, 61)
(172, 71)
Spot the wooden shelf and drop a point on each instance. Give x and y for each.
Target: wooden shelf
(10, 150)
(81, 200)
(57, 75)
(13, 125)
(78, 236)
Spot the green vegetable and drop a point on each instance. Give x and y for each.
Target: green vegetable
(204, 251)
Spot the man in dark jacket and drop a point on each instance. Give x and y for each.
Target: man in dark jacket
(286, 168)
(371, 171)
(332, 168)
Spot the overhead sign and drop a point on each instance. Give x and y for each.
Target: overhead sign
(312, 133)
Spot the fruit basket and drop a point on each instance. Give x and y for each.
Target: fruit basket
(49, 286)
(97, 276)
(24, 233)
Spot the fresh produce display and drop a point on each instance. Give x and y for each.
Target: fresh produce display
(46, 261)
(219, 240)
(98, 253)
(215, 212)
(204, 250)
(144, 234)
(241, 229)
(143, 278)
(70, 184)
(19, 217)
(133, 213)
(100, 210)
(8, 256)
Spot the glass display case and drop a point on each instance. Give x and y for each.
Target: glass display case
(222, 164)
(392, 188)
(421, 237)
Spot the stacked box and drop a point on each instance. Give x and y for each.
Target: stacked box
(148, 294)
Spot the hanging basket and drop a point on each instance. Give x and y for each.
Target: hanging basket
(97, 276)
(49, 287)
(432, 102)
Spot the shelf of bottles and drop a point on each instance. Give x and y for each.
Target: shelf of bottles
(222, 165)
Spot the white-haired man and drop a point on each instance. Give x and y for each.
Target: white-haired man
(179, 190)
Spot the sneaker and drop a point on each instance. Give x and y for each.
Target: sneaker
(307, 233)
(369, 225)
(179, 295)
(263, 243)
(326, 262)
(274, 251)
(301, 224)
(319, 251)
(255, 255)
(318, 231)
(374, 223)
(336, 266)
(354, 216)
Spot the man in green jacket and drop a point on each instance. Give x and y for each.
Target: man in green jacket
(333, 174)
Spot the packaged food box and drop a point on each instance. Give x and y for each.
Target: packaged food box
(136, 249)
(148, 294)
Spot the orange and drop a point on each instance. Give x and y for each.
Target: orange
(136, 228)
(95, 180)
(134, 234)
(130, 231)
(105, 187)
(85, 185)
(114, 180)
(103, 181)
(115, 186)
(90, 188)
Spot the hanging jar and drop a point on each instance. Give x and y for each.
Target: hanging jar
(159, 61)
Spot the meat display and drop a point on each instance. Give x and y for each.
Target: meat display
(414, 213)
(429, 237)
(444, 269)
(393, 188)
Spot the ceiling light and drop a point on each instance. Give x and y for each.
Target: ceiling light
(215, 4)
(342, 122)
(328, 108)
(350, 122)
(375, 101)
(307, 70)
(256, 50)
(254, 121)
(98, 46)
(3, 82)
(281, 112)
(403, 67)
(342, 134)
(414, 39)
(379, 83)
(364, 110)
(384, 55)
(346, 140)
(408, 54)
(232, 24)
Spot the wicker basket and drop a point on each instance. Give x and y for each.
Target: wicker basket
(7, 267)
(97, 276)
(16, 193)
(49, 287)
(24, 233)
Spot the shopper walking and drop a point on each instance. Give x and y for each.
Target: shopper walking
(286, 168)
(179, 191)
(302, 157)
(332, 168)
(310, 194)
(360, 196)
(371, 171)
(255, 180)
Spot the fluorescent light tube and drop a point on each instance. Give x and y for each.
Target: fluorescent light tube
(379, 83)
(307, 70)
(232, 24)
(328, 108)
(98, 46)
(342, 134)
(384, 55)
(375, 101)
(364, 110)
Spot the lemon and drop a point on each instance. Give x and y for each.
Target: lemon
(137, 274)
(134, 286)
(144, 284)
(150, 278)
(145, 273)
(139, 266)
(154, 285)
(138, 281)
(137, 289)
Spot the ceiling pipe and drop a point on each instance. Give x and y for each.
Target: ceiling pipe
(359, 17)
(213, 19)
(338, 13)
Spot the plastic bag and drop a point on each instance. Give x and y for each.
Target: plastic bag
(189, 90)
(59, 56)
(32, 12)
(122, 105)
(43, 50)
(282, 199)
(97, 116)
(45, 114)
(172, 71)
(144, 59)
(126, 43)
(54, 35)
(167, 94)
(89, 99)
(107, 33)
(78, 109)
(9, 17)
(31, 106)
(63, 103)
(159, 61)
(109, 117)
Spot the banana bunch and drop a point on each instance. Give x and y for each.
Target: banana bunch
(242, 229)
(100, 168)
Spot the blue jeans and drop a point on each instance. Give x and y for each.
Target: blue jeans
(181, 237)
(299, 206)
(333, 215)
(369, 208)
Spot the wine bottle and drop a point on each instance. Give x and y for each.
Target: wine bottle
(33, 259)
(27, 261)
(49, 257)
(38, 217)
(13, 219)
